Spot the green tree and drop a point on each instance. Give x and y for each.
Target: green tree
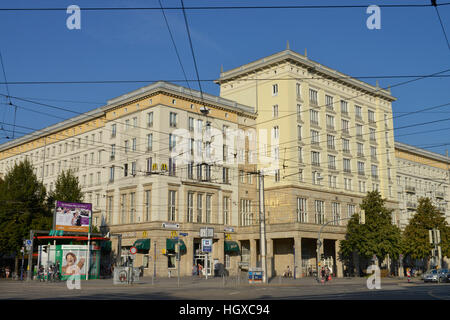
(378, 236)
(22, 207)
(67, 189)
(416, 240)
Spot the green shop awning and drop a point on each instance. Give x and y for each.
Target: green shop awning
(142, 244)
(231, 246)
(170, 244)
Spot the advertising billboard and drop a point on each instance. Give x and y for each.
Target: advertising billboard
(72, 216)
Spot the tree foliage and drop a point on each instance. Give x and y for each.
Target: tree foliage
(416, 240)
(67, 189)
(22, 207)
(378, 236)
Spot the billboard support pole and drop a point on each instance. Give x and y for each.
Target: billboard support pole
(88, 249)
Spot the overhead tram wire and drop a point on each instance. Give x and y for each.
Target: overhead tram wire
(8, 98)
(435, 5)
(211, 80)
(408, 5)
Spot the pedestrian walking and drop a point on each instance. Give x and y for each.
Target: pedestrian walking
(7, 272)
(322, 273)
(408, 274)
(194, 270)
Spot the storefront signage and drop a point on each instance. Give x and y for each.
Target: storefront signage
(207, 245)
(228, 229)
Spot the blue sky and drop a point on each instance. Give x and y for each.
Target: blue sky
(132, 45)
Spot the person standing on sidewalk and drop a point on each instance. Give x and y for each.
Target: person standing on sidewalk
(408, 274)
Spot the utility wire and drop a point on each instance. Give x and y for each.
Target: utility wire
(409, 5)
(433, 2)
(212, 80)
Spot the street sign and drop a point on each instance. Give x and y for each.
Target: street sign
(183, 234)
(28, 242)
(207, 245)
(228, 229)
(133, 250)
(206, 232)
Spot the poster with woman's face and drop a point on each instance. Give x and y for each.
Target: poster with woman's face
(74, 262)
(73, 216)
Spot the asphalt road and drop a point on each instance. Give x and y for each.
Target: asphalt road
(218, 289)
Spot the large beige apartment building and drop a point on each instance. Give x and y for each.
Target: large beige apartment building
(147, 162)
(332, 138)
(421, 173)
(143, 161)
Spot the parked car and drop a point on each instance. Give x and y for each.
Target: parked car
(436, 275)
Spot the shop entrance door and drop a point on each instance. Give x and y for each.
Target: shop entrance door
(205, 261)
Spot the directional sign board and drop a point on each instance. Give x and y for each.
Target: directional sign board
(206, 232)
(207, 245)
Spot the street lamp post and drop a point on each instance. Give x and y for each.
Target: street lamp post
(319, 242)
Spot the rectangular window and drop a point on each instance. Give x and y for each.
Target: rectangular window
(315, 137)
(208, 208)
(122, 208)
(347, 165)
(320, 212)
(149, 165)
(350, 210)
(126, 146)
(359, 131)
(111, 174)
(190, 207)
(133, 144)
(147, 195)
(372, 134)
(173, 120)
(331, 142)
(336, 212)
(313, 97)
(371, 116)
(133, 168)
(299, 132)
(331, 162)
(298, 90)
(299, 113)
(191, 124)
(346, 145)
(373, 152)
(274, 89)
(315, 158)
(344, 107)
(360, 149)
(109, 209)
(360, 168)
(150, 119)
(132, 207)
(330, 122)
(226, 210)
(172, 205)
(301, 210)
(275, 111)
(374, 170)
(329, 102)
(358, 112)
(276, 132)
(314, 117)
(125, 170)
(172, 142)
(332, 181)
(199, 208)
(344, 124)
(150, 142)
(225, 175)
(300, 155)
(172, 167)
